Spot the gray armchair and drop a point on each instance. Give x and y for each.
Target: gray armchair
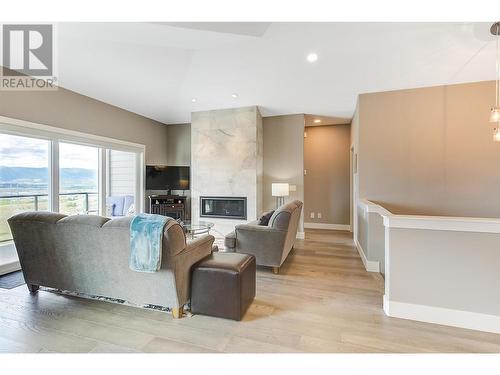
(269, 244)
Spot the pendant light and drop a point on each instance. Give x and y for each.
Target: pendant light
(496, 134)
(495, 111)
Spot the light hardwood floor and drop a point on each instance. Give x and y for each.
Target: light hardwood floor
(323, 301)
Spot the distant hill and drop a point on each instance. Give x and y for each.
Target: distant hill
(22, 174)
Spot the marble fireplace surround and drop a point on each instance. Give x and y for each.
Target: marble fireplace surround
(227, 161)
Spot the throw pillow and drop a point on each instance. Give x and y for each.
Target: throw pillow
(131, 210)
(264, 219)
(117, 202)
(110, 208)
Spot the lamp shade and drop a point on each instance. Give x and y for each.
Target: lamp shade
(279, 189)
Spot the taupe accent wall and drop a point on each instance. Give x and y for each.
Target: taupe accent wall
(283, 157)
(70, 110)
(179, 144)
(327, 182)
(430, 150)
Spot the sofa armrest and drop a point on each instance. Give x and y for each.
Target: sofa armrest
(182, 263)
(204, 242)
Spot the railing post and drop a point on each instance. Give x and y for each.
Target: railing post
(86, 203)
(36, 202)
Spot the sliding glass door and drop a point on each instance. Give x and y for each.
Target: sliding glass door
(24, 178)
(24, 186)
(78, 179)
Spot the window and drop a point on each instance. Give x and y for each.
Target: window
(78, 179)
(24, 178)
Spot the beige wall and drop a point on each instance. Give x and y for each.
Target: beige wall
(69, 110)
(179, 144)
(430, 150)
(446, 269)
(326, 184)
(283, 157)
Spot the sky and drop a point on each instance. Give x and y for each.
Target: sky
(18, 151)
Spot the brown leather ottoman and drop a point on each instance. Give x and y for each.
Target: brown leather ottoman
(223, 285)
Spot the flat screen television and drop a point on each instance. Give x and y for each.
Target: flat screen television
(160, 177)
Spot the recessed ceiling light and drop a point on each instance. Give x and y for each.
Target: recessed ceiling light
(193, 100)
(312, 57)
(234, 95)
(317, 121)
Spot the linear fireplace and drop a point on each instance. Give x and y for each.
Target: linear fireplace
(224, 207)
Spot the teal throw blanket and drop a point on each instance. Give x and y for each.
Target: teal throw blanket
(146, 234)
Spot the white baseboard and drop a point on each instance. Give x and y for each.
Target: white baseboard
(327, 226)
(9, 267)
(301, 235)
(370, 265)
(385, 305)
(443, 316)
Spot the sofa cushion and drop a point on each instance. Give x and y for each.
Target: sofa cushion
(264, 219)
(38, 216)
(90, 220)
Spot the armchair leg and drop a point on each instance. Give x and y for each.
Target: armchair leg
(276, 270)
(32, 288)
(177, 312)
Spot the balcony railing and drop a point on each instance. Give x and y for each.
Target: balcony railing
(84, 202)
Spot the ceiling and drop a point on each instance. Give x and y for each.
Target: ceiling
(157, 69)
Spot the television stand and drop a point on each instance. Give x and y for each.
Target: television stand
(168, 205)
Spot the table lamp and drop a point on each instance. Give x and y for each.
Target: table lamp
(280, 191)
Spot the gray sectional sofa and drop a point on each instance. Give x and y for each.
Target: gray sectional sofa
(270, 244)
(90, 255)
